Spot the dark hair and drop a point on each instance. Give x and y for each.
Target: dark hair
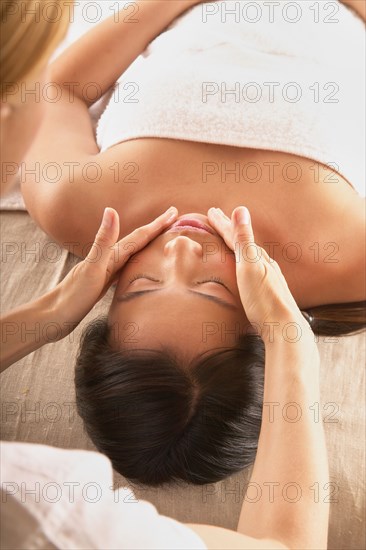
(159, 420)
(337, 319)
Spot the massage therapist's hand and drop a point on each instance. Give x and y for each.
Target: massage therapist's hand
(263, 289)
(87, 283)
(55, 314)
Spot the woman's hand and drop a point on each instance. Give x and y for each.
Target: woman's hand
(263, 289)
(88, 281)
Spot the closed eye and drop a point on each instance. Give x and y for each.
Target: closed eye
(143, 276)
(214, 280)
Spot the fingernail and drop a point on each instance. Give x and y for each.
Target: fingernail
(107, 220)
(172, 211)
(242, 216)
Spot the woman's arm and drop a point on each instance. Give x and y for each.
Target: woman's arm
(105, 52)
(66, 138)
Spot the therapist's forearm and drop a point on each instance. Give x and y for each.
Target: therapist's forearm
(291, 459)
(27, 328)
(105, 52)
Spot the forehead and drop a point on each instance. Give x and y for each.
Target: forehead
(177, 319)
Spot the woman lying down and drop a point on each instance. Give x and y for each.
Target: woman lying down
(218, 112)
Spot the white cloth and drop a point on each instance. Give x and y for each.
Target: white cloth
(58, 498)
(298, 82)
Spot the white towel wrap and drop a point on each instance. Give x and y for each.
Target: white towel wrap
(298, 87)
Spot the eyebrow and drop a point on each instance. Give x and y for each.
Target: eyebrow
(133, 295)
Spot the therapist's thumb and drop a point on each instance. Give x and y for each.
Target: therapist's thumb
(243, 231)
(247, 253)
(107, 236)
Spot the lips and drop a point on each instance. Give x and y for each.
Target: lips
(194, 225)
(191, 223)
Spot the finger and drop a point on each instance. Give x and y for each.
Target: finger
(243, 237)
(102, 248)
(243, 230)
(222, 217)
(222, 224)
(141, 237)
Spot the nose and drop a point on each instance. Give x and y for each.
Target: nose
(181, 248)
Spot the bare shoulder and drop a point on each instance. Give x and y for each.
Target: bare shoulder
(64, 144)
(61, 168)
(218, 538)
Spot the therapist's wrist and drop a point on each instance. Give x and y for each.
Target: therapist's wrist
(56, 316)
(29, 327)
(289, 340)
(287, 326)
(292, 360)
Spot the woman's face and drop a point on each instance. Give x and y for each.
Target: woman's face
(180, 291)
